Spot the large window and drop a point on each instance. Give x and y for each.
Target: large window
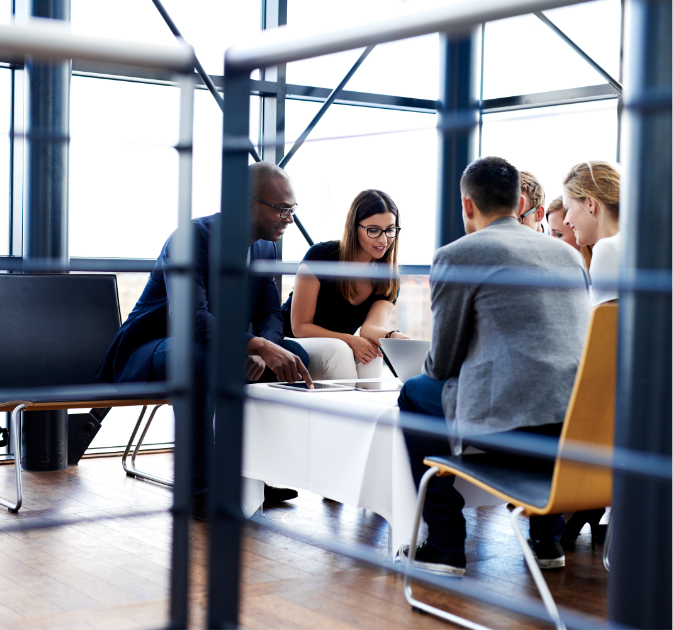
(211, 26)
(547, 141)
(389, 150)
(522, 55)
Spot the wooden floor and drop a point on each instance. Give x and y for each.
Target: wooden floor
(102, 572)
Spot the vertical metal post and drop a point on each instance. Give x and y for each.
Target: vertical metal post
(232, 320)
(273, 107)
(45, 221)
(640, 555)
(460, 71)
(182, 359)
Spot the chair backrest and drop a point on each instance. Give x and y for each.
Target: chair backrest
(55, 328)
(590, 418)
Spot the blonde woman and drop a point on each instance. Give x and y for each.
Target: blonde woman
(591, 198)
(323, 315)
(556, 215)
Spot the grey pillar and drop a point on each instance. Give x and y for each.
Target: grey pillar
(230, 245)
(45, 223)
(458, 110)
(640, 582)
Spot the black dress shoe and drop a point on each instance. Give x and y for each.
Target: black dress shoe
(198, 506)
(278, 495)
(577, 521)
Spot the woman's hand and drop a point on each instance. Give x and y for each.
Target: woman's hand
(399, 335)
(364, 350)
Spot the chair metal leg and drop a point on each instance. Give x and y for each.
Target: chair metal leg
(131, 469)
(606, 548)
(15, 429)
(416, 604)
(542, 587)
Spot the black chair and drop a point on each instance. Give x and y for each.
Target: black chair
(55, 331)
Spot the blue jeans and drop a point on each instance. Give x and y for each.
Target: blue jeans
(444, 504)
(204, 406)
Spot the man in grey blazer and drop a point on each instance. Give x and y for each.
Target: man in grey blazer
(503, 357)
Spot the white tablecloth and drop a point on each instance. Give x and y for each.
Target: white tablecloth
(361, 464)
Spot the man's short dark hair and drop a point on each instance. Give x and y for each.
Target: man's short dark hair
(493, 184)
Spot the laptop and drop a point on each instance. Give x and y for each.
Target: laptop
(407, 356)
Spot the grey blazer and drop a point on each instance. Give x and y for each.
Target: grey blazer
(509, 353)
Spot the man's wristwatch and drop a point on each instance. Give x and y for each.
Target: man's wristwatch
(390, 333)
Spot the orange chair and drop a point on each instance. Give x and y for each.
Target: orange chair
(565, 486)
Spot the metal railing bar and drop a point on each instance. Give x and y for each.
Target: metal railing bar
(569, 96)
(466, 586)
(325, 106)
(298, 92)
(45, 39)
(540, 446)
(152, 390)
(205, 77)
(598, 68)
(141, 265)
(456, 121)
(273, 48)
(654, 280)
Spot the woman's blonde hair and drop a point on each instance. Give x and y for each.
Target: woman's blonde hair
(365, 205)
(557, 205)
(598, 180)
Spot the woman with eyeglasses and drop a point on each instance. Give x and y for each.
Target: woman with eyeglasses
(323, 314)
(556, 215)
(591, 198)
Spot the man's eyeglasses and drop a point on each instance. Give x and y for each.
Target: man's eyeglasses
(374, 232)
(525, 214)
(284, 212)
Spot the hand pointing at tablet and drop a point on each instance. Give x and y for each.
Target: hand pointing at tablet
(286, 366)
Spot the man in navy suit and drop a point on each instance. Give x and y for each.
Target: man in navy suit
(142, 347)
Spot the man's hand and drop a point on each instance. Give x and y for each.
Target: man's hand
(363, 349)
(286, 366)
(254, 367)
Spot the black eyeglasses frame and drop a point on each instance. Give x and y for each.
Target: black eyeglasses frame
(380, 231)
(284, 212)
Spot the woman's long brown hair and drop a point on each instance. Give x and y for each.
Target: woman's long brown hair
(365, 205)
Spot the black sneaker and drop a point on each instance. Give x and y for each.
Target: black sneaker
(548, 553)
(436, 561)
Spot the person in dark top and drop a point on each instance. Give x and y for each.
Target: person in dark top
(141, 350)
(323, 315)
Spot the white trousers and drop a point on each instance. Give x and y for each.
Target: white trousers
(333, 359)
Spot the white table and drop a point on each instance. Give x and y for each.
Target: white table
(361, 464)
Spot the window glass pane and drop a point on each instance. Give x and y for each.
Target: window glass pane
(548, 141)
(209, 25)
(123, 168)
(329, 173)
(207, 174)
(405, 68)
(5, 103)
(523, 55)
(5, 11)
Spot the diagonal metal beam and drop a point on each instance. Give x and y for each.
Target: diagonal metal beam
(325, 106)
(613, 82)
(199, 68)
